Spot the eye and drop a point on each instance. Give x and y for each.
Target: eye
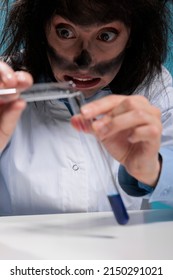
(64, 32)
(107, 36)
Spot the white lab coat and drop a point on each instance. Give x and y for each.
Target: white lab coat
(47, 167)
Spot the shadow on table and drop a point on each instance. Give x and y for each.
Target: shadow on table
(8, 253)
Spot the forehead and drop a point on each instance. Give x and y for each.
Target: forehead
(87, 12)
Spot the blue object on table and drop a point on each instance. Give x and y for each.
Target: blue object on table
(159, 205)
(118, 209)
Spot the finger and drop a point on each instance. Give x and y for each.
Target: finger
(7, 76)
(21, 81)
(101, 106)
(9, 117)
(131, 103)
(113, 103)
(108, 126)
(80, 124)
(6, 98)
(24, 79)
(148, 133)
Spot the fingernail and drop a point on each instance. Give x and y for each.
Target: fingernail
(77, 124)
(6, 78)
(9, 76)
(21, 76)
(86, 111)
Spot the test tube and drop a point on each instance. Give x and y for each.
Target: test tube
(111, 191)
(41, 92)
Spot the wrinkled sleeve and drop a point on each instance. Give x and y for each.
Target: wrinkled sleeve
(164, 189)
(162, 91)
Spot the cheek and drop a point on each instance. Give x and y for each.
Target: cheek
(57, 72)
(117, 69)
(52, 65)
(111, 75)
(57, 63)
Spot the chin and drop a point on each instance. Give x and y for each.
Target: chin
(88, 93)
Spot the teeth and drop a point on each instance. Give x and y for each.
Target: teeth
(82, 80)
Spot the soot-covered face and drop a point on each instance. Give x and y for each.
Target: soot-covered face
(90, 56)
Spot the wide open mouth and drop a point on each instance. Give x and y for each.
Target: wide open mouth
(83, 81)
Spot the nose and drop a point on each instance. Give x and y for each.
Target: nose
(83, 60)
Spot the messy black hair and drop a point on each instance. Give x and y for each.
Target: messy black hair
(146, 51)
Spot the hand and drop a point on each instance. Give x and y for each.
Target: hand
(130, 129)
(11, 107)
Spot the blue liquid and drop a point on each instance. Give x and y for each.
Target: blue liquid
(118, 209)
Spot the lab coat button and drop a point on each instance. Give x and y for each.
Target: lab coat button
(75, 167)
(165, 192)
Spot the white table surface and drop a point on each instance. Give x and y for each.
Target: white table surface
(148, 235)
